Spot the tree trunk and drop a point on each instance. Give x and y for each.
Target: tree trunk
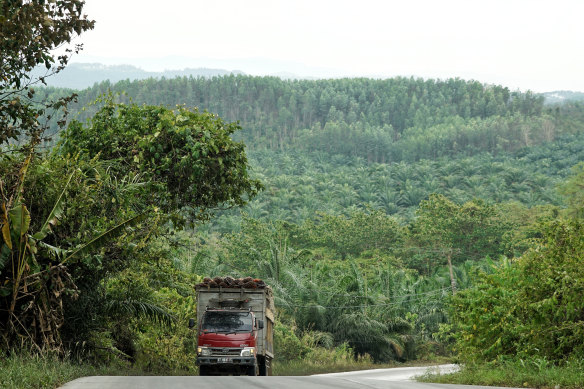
(452, 280)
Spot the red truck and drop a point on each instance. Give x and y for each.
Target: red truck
(235, 322)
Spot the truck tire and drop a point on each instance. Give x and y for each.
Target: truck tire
(203, 370)
(252, 371)
(262, 367)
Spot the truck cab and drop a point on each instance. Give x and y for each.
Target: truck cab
(227, 337)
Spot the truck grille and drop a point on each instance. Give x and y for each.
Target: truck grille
(225, 351)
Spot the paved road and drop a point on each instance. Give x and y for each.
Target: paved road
(397, 378)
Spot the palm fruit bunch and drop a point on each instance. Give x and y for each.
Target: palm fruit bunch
(230, 282)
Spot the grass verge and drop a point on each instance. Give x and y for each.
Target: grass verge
(314, 365)
(48, 372)
(40, 372)
(309, 367)
(19, 371)
(535, 373)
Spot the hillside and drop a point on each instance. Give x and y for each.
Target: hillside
(300, 184)
(335, 145)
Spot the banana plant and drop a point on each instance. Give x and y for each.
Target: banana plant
(32, 270)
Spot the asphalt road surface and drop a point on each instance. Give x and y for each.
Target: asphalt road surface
(397, 378)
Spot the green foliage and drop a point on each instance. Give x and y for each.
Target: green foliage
(299, 185)
(186, 159)
(147, 306)
(370, 186)
(487, 328)
(552, 286)
(311, 352)
(532, 372)
(25, 371)
(36, 275)
(355, 117)
(57, 229)
(525, 226)
(530, 306)
(352, 235)
(367, 301)
(573, 191)
(370, 336)
(321, 360)
(172, 349)
(289, 346)
(31, 30)
(73, 222)
(443, 228)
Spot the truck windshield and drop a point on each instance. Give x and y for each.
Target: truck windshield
(222, 321)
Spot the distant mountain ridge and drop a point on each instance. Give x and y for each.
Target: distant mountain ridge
(84, 75)
(556, 97)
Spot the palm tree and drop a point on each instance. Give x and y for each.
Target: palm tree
(389, 198)
(410, 195)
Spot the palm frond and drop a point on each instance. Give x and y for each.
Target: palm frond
(111, 233)
(4, 255)
(396, 345)
(55, 214)
(53, 252)
(139, 309)
(319, 339)
(399, 325)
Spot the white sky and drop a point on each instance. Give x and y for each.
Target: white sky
(524, 44)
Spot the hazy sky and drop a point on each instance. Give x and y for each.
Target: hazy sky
(537, 45)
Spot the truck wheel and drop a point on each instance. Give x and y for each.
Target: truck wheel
(203, 370)
(263, 367)
(252, 371)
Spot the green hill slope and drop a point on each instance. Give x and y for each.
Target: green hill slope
(334, 145)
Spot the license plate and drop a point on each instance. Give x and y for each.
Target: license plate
(224, 360)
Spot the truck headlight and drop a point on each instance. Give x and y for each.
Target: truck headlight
(248, 352)
(203, 351)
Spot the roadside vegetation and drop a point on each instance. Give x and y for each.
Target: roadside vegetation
(397, 221)
(520, 373)
(39, 371)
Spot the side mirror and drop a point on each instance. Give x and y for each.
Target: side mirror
(191, 323)
(260, 324)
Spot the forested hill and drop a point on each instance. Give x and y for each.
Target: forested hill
(381, 120)
(330, 145)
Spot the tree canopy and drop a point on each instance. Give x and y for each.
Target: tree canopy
(529, 306)
(187, 158)
(31, 31)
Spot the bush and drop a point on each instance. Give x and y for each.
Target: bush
(532, 306)
(287, 345)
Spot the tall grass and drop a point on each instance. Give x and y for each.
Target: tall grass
(48, 371)
(23, 371)
(320, 360)
(323, 360)
(533, 373)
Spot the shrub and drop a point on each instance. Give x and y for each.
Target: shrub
(532, 306)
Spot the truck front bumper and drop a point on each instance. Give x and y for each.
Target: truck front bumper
(226, 360)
